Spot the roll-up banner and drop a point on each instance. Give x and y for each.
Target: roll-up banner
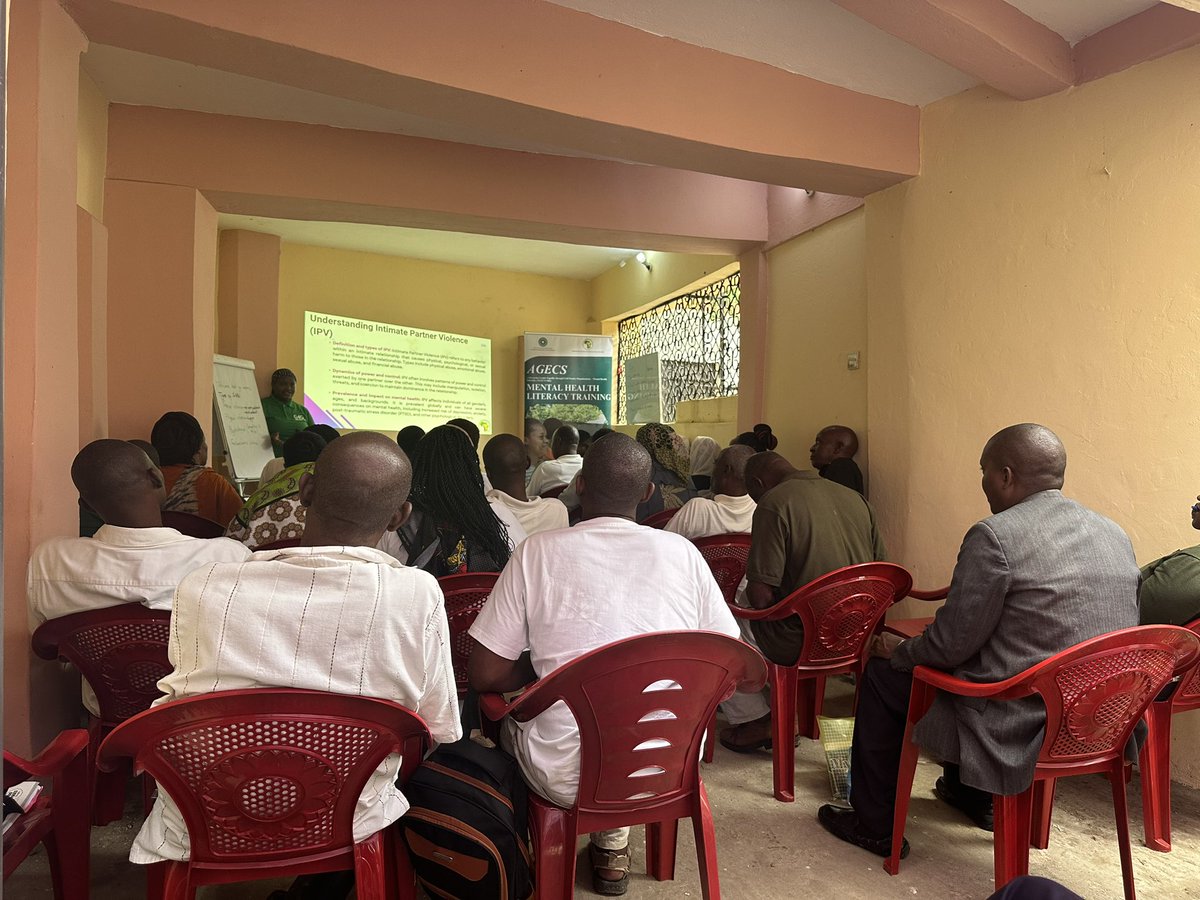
(569, 377)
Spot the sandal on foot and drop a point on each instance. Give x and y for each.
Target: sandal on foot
(609, 859)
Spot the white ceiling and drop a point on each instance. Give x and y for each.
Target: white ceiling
(484, 251)
(1075, 20)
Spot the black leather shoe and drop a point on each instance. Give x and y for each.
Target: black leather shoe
(979, 813)
(842, 822)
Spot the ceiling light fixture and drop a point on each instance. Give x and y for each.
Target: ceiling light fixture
(641, 257)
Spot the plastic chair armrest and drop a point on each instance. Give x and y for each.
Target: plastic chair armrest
(493, 706)
(747, 612)
(1009, 689)
(936, 594)
(57, 755)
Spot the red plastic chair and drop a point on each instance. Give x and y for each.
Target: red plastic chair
(1156, 755)
(465, 596)
(659, 519)
(840, 611)
(726, 555)
(1094, 693)
(59, 819)
(194, 526)
(279, 545)
(121, 651)
(267, 781)
(635, 767)
(909, 628)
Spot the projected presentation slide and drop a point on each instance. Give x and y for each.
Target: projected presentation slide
(382, 377)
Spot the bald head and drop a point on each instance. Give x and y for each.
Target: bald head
(729, 470)
(505, 461)
(119, 483)
(358, 489)
(615, 477)
(1019, 461)
(566, 440)
(832, 442)
(764, 471)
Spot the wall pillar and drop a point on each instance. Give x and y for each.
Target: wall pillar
(248, 301)
(93, 328)
(755, 308)
(41, 371)
(162, 264)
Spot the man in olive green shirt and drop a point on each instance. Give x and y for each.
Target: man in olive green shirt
(284, 416)
(1169, 588)
(804, 526)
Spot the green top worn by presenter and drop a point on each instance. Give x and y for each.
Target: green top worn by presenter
(284, 416)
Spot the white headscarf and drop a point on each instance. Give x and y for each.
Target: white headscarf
(703, 454)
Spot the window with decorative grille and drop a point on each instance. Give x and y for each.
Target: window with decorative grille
(698, 340)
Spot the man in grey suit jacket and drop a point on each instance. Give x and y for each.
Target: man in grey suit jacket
(1038, 576)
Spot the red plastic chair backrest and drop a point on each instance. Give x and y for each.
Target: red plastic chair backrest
(1187, 695)
(659, 519)
(642, 705)
(121, 651)
(726, 555)
(270, 774)
(279, 545)
(1096, 691)
(465, 596)
(194, 526)
(841, 609)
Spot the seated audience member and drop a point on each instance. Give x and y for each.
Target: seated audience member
(730, 511)
(569, 591)
(702, 455)
(536, 447)
(585, 441)
(504, 462)
(566, 462)
(671, 472)
(327, 433)
(192, 487)
(1169, 588)
(369, 627)
(761, 439)
(454, 528)
(408, 437)
(804, 527)
(1041, 574)
(131, 558)
(89, 521)
(283, 414)
(469, 428)
(570, 498)
(552, 425)
(832, 456)
(274, 512)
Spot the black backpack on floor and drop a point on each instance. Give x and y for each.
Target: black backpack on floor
(466, 827)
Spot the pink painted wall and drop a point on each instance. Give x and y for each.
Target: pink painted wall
(93, 328)
(248, 300)
(162, 266)
(41, 372)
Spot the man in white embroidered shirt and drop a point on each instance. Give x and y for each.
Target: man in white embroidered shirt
(333, 614)
(559, 471)
(131, 558)
(730, 511)
(569, 591)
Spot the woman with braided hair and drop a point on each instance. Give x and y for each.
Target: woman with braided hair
(453, 528)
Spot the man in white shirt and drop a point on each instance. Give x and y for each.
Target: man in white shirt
(569, 591)
(334, 614)
(132, 558)
(559, 471)
(730, 511)
(504, 462)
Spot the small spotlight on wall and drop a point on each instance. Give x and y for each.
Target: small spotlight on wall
(621, 264)
(641, 257)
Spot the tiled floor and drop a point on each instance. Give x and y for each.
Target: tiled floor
(774, 850)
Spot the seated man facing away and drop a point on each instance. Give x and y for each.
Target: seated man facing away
(1041, 574)
(504, 463)
(132, 558)
(730, 511)
(1169, 588)
(559, 471)
(832, 455)
(332, 615)
(274, 511)
(569, 591)
(804, 527)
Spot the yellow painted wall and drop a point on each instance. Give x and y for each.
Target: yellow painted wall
(93, 146)
(817, 314)
(462, 299)
(623, 290)
(1045, 266)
